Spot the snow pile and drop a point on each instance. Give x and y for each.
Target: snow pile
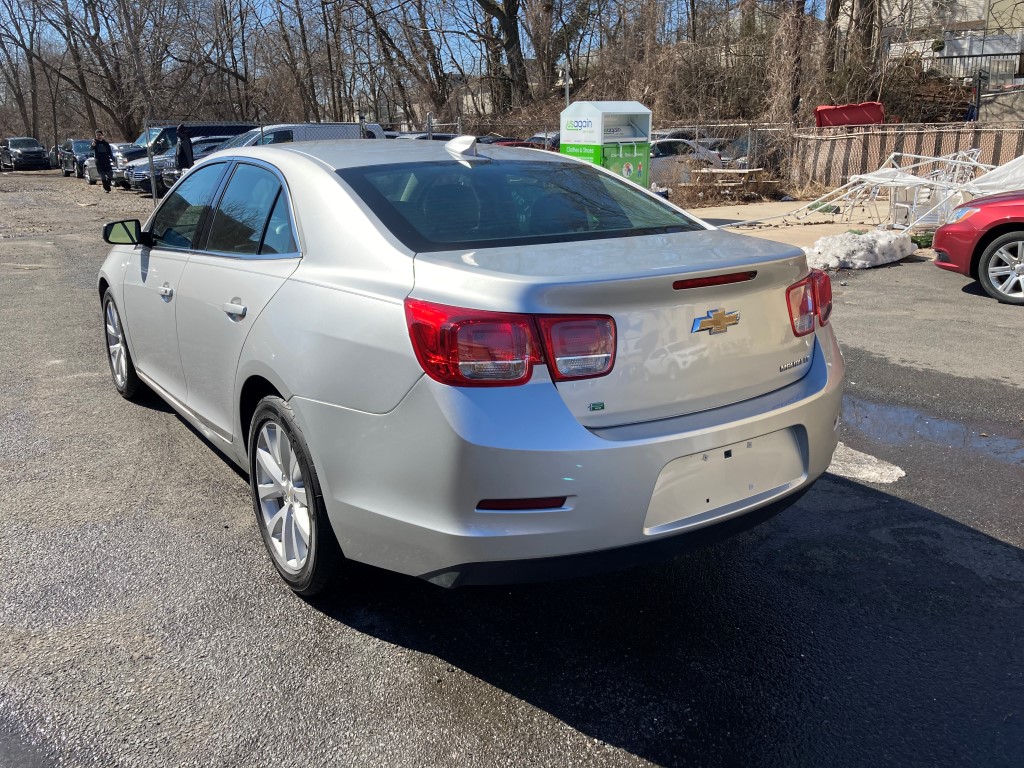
(860, 251)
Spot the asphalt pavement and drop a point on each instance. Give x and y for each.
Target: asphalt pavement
(142, 624)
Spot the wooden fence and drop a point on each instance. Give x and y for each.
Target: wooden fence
(829, 156)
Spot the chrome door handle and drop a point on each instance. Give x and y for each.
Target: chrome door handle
(165, 290)
(234, 308)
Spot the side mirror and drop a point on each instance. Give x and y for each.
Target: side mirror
(127, 232)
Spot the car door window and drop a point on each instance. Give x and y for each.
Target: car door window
(178, 219)
(279, 237)
(241, 216)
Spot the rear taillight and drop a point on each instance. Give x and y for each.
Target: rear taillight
(476, 348)
(822, 294)
(578, 347)
(472, 348)
(807, 299)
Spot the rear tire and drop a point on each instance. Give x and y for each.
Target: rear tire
(122, 369)
(288, 502)
(1001, 269)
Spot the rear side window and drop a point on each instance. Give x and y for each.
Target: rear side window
(245, 210)
(180, 215)
(277, 137)
(444, 205)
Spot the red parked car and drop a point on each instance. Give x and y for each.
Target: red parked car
(984, 239)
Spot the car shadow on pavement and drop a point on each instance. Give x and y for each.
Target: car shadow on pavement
(974, 289)
(854, 629)
(147, 398)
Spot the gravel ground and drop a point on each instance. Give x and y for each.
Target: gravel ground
(44, 207)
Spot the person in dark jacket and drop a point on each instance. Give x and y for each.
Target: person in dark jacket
(183, 157)
(104, 160)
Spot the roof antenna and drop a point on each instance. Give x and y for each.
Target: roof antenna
(463, 149)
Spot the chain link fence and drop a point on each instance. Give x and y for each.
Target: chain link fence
(787, 160)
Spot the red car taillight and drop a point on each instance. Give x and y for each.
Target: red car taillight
(477, 348)
(807, 299)
(578, 347)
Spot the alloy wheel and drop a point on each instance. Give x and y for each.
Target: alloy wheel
(115, 346)
(1006, 270)
(284, 506)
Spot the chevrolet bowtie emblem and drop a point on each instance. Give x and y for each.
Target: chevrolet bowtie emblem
(716, 321)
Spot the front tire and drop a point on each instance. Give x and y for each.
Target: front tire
(287, 500)
(1001, 269)
(122, 369)
(65, 171)
(79, 172)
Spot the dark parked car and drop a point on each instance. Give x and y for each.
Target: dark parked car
(137, 173)
(72, 155)
(161, 138)
(200, 149)
(23, 153)
(984, 239)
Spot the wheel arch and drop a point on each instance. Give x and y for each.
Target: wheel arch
(253, 389)
(989, 237)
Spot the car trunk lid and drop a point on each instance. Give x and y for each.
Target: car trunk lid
(681, 346)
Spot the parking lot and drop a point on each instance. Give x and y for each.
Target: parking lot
(879, 621)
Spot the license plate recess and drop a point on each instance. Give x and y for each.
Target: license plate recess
(705, 487)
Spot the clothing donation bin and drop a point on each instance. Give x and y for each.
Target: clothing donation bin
(613, 134)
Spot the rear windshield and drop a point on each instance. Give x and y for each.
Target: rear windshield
(242, 139)
(446, 206)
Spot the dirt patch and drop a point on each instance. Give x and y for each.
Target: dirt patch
(49, 204)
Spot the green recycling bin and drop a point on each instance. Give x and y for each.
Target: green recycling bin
(613, 134)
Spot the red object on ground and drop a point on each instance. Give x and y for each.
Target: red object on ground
(865, 113)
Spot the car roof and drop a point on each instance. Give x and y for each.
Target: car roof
(278, 126)
(353, 153)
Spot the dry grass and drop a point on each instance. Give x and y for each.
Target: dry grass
(707, 193)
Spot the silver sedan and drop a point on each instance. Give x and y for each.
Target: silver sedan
(473, 364)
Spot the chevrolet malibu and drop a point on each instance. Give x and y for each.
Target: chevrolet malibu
(448, 360)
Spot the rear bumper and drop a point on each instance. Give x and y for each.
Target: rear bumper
(602, 561)
(403, 489)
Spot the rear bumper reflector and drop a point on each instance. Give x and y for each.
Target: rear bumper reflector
(518, 505)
